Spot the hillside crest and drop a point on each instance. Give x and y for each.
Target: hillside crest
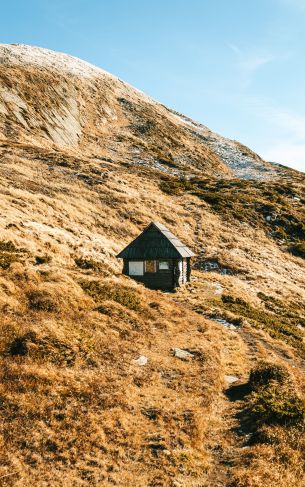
(52, 99)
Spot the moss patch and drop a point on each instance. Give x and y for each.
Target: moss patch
(277, 208)
(279, 325)
(123, 295)
(274, 400)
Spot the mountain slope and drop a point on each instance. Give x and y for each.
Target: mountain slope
(76, 407)
(85, 109)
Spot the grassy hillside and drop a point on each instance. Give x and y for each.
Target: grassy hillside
(76, 408)
(276, 207)
(84, 168)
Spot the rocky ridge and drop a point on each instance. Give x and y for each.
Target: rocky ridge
(96, 113)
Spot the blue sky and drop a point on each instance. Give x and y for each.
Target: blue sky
(237, 66)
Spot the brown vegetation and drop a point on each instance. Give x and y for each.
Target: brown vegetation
(75, 406)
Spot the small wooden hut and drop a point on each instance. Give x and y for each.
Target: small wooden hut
(157, 258)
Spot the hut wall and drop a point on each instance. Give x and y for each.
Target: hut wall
(162, 279)
(188, 272)
(183, 271)
(125, 267)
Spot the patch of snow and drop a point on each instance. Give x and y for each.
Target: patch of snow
(225, 323)
(212, 266)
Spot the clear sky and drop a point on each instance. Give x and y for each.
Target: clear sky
(237, 66)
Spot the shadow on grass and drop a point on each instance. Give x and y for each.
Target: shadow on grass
(246, 426)
(238, 392)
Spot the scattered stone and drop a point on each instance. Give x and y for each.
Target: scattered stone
(183, 354)
(142, 360)
(218, 288)
(230, 379)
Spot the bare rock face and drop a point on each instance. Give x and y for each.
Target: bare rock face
(54, 100)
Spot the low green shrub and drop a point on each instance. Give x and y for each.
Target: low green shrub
(275, 405)
(6, 259)
(298, 249)
(282, 324)
(20, 345)
(123, 295)
(47, 347)
(273, 399)
(174, 186)
(266, 373)
(227, 298)
(251, 202)
(8, 246)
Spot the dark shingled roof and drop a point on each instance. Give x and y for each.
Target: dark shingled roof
(155, 242)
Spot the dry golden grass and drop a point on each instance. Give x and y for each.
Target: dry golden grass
(99, 117)
(75, 408)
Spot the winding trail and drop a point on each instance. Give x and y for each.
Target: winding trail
(242, 347)
(230, 437)
(233, 434)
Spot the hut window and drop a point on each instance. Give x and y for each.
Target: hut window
(163, 265)
(150, 266)
(136, 268)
